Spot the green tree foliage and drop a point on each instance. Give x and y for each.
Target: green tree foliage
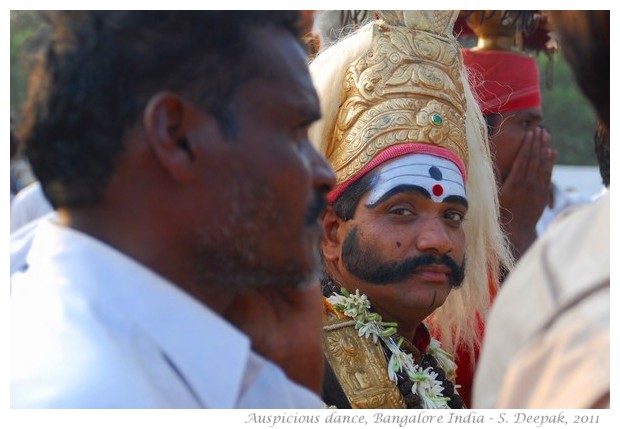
(24, 26)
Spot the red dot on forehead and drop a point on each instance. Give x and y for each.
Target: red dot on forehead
(437, 190)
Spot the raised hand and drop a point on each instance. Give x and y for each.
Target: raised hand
(527, 189)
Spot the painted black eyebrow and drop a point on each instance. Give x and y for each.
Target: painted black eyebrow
(398, 190)
(457, 199)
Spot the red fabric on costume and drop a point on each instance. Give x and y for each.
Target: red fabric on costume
(503, 81)
(465, 371)
(421, 338)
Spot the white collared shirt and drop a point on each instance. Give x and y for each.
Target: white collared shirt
(28, 205)
(92, 328)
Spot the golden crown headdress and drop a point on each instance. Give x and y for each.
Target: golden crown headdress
(406, 88)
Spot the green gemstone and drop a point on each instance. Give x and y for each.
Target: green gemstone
(436, 119)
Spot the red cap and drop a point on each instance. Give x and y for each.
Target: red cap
(503, 81)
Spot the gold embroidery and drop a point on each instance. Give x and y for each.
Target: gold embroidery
(359, 365)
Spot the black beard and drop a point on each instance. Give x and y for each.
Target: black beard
(367, 265)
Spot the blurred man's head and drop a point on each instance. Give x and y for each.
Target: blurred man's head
(584, 41)
(190, 128)
(601, 149)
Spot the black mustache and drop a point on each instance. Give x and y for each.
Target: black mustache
(404, 269)
(316, 208)
(368, 266)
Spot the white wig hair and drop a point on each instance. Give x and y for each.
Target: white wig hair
(457, 322)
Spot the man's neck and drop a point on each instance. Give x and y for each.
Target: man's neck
(154, 252)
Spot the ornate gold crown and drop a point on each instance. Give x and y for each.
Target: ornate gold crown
(405, 89)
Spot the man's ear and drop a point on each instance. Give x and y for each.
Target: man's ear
(333, 234)
(166, 123)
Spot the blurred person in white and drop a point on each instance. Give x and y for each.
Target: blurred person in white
(28, 205)
(547, 341)
(181, 269)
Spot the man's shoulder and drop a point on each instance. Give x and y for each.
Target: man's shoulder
(65, 343)
(63, 349)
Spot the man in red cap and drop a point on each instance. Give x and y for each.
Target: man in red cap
(508, 89)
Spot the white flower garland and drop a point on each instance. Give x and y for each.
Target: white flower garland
(369, 325)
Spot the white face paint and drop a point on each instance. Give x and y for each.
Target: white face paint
(439, 176)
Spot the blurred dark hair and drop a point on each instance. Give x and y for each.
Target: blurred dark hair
(584, 40)
(493, 122)
(14, 144)
(98, 70)
(601, 148)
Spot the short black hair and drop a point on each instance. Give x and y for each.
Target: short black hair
(14, 144)
(98, 70)
(601, 149)
(346, 204)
